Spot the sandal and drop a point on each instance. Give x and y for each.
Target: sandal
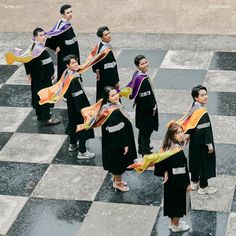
(120, 187)
(123, 182)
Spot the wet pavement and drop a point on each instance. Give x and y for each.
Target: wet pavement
(46, 190)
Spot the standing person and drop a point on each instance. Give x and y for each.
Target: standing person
(62, 39)
(202, 159)
(106, 70)
(76, 100)
(146, 113)
(176, 178)
(118, 145)
(40, 71)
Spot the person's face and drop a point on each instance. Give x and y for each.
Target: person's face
(179, 135)
(106, 36)
(40, 37)
(74, 66)
(113, 96)
(202, 96)
(67, 14)
(143, 65)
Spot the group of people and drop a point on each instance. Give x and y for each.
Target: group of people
(118, 143)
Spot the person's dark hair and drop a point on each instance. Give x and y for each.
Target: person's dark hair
(68, 58)
(138, 58)
(36, 31)
(64, 7)
(101, 30)
(105, 94)
(169, 137)
(196, 89)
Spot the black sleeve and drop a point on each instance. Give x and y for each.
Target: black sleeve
(146, 102)
(161, 167)
(116, 130)
(53, 42)
(203, 131)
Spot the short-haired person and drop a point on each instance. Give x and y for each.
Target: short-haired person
(40, 71)
(76, 100)
(146, 113)
(202, 159)
(106, 70)
(62, 39)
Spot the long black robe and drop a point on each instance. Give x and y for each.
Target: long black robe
(108, 72)
(117, 133)
(76, 100)
(41, 69)
(200, 162)
(176, 186)
(68, 44)
(145, 102)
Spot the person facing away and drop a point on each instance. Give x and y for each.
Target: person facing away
(76, 100)
(118, 145)
(40, 71)
(106, 70)
(176, 182)
(62, 39)
(202, 159)
(146, 112)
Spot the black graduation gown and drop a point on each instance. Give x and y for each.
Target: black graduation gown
(145, 102)
(117, 133)
(108, 72)
(176, 186)
(76, 100)
(41, 69)
(200, 162)
(68, 44)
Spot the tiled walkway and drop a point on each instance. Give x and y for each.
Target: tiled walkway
(46, 191)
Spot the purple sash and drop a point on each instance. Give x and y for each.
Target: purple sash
(65, 25)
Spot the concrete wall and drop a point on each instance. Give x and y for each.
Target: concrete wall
(152, 16)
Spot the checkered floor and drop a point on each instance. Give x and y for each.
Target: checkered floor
(45, 190)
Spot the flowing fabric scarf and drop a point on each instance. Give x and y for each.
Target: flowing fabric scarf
(59, 28)
(24, 56)
(192, 117)
(96, 114)
(56, 92)
(143, 163)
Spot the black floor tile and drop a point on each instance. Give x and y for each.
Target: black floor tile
(20, 179)
(47, 217)
(202, 223)
(70, 158)
(178, 79)
(31, 125)
(145, 189)
(6, 72)
(15, 95)
(4, 137)
(223, 61)
(154, 57)
(225, 159)
(222, 103)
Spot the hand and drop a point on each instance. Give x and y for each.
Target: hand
(165, 177)
(97, 75)
(210, 150)
(189, 189)
(186, 139)
(126, 150)
(57, 50)
(154, 110)
(29, 78)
